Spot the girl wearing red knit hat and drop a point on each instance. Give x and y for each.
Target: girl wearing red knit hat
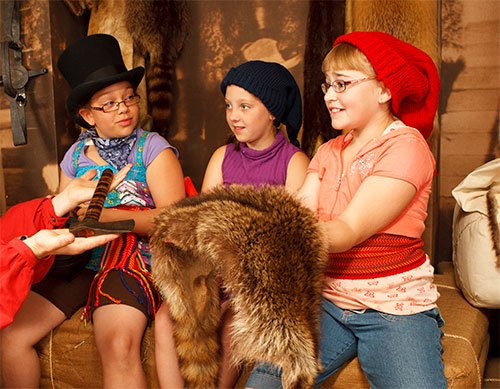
(370, 188)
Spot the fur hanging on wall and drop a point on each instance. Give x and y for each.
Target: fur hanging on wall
(269, 251)
(493, 207)
(325, 23)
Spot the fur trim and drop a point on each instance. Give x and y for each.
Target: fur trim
(270, 253)
(492, 201)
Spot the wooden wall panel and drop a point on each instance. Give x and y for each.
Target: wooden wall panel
(470, 99)
(224, 34)
(31, 170)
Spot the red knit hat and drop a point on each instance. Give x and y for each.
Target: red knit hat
(408, 72)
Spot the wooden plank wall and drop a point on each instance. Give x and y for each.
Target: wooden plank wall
(223, 34)
(31, 170)
(469, 103)
(468, 111)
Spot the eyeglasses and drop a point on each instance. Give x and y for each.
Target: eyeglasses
(340, 86)
(111, 106)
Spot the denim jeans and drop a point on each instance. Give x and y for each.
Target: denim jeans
(395, 351)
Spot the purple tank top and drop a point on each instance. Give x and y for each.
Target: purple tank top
(258, 167)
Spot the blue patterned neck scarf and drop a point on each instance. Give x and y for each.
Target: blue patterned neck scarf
(114, 151)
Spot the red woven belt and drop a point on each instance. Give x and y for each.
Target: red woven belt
(379, 256)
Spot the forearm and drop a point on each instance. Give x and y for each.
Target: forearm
(28, 218)
(143, 219)
(339, 236)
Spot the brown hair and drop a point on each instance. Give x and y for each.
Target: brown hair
(345, 56)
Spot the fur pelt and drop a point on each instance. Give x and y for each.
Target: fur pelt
(325, 23)
(269, 251)
(493, 209)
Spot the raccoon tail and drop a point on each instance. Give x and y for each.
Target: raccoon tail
(160, 86)
(190, 289)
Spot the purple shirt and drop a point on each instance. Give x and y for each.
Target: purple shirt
(258, 167)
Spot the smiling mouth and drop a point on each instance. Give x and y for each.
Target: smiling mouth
(335, 110)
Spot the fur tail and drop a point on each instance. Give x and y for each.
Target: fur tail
(160, 79)
(196, 318)
(158, 29)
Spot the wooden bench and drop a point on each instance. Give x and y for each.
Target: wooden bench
(69, 358)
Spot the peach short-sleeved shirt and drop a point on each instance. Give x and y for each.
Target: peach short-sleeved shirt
(401, 153)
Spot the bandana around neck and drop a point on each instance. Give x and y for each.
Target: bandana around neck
(114, 151)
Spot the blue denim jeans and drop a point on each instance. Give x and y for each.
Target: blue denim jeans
(394, 351)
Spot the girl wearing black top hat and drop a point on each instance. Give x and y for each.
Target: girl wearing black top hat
(122, 298)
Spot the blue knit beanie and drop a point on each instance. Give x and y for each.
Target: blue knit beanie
(275, 86)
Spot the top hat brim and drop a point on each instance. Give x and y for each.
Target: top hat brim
(82, 93)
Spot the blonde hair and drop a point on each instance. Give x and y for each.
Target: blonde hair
(345, 56)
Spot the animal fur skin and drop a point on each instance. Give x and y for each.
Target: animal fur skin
(270, 253)
(493, 207)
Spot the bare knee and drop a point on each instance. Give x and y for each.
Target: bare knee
(13, 341)
(118, 346)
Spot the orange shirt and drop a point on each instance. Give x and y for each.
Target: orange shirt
(402, 153)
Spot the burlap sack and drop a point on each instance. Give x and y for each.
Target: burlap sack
(476, 240)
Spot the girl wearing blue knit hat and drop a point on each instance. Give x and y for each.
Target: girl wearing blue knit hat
(259, 97)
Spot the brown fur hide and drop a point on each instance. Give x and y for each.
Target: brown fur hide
(269, 251)
(493, 207)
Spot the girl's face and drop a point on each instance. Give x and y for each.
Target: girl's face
(115, 124)
(249, 119)
(361, 104)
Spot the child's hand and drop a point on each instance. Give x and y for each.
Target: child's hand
(82, 189)
(81, 211)
(120, 176)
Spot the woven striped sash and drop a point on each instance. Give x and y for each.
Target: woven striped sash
(379, 256)
(122, 254)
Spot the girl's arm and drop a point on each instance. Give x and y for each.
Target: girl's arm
(296, 172)
(213, 173)
(308, 193)
(73, 192)
(165, 181)
(377, 203)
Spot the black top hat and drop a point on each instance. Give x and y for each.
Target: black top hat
(91, 64)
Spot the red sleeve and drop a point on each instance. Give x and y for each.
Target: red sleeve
(17, 264)
(19, 268)
(28, 218)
